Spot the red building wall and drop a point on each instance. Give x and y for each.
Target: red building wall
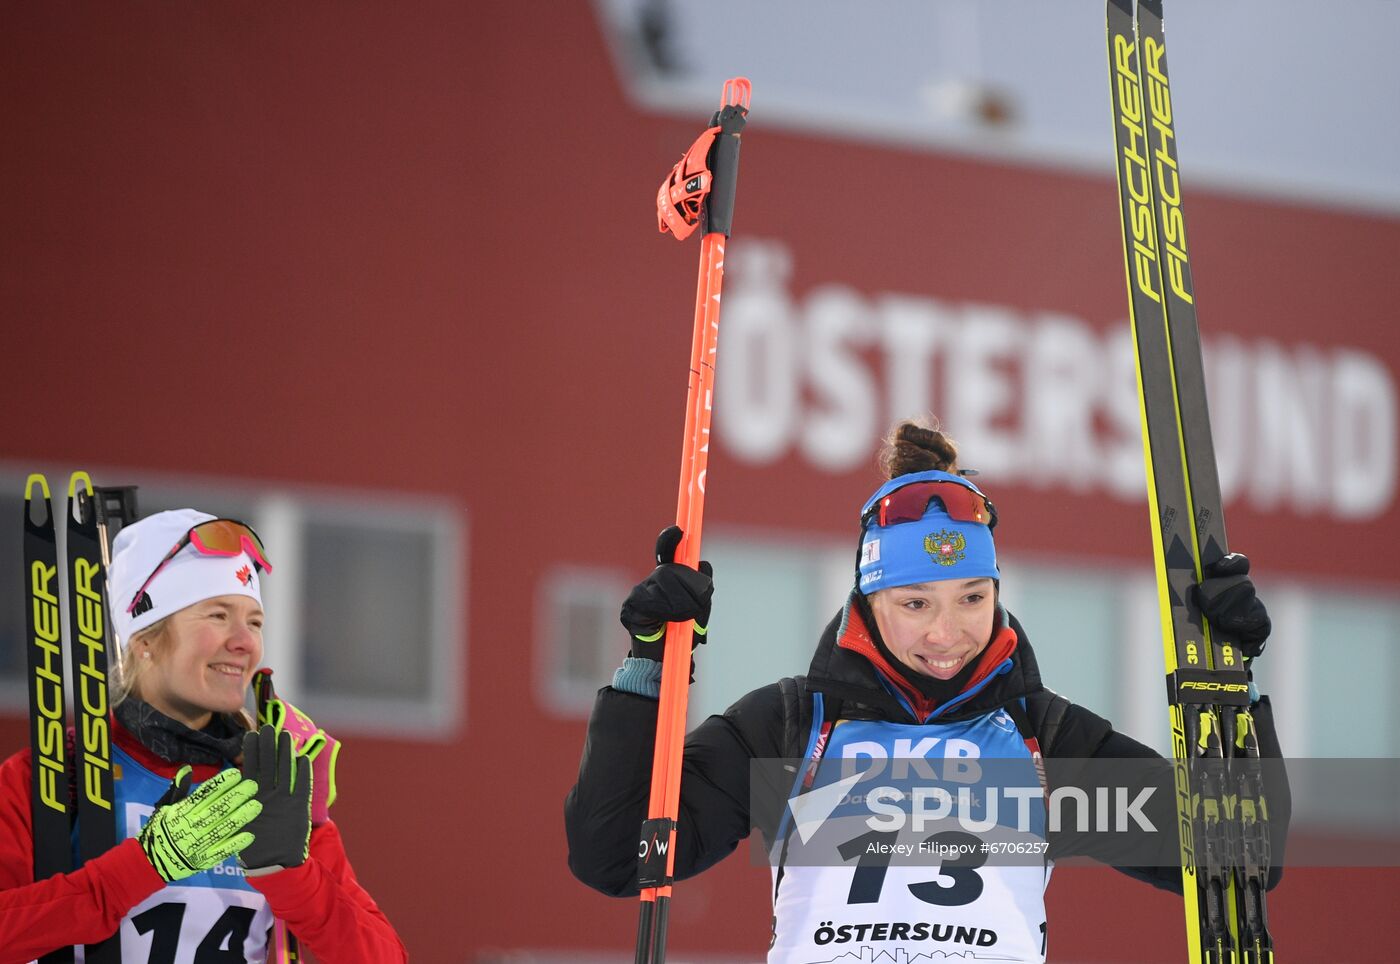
(411, 248)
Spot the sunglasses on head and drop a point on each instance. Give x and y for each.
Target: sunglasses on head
(908, 503)
(217, 537)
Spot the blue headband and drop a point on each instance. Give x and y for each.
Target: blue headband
(934, 549)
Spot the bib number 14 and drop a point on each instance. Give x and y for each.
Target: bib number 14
(222, 945)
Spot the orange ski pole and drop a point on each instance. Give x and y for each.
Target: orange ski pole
(701, 186)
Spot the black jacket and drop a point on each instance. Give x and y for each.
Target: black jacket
(604, 810)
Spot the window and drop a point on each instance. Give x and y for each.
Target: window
(583, 642)
(773, 598)
(1355, 642)
(383, 620)
(1072, 616)
(364, 605)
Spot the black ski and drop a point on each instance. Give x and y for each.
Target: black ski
(88, 626)
(1224, 844)
(65, 789)
(51, 793)
(1245, 816)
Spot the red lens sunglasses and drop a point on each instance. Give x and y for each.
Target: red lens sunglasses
(909, 503)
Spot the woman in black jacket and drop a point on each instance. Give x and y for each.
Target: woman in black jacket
(922, 661)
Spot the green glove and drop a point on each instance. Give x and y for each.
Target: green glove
(189, 833)
(282, 830)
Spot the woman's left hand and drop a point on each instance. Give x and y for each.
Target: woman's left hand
(310, 741)
(1229, 601)
(282, 830)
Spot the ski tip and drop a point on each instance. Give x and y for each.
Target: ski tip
(75, 480)
(36, 478)
(737, 91)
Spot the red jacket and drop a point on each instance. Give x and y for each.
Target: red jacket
(320, 901)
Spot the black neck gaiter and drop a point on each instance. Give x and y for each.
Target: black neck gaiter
(218, 743)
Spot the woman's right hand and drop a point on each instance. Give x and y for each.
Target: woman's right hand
(673, 593)
(189, 833)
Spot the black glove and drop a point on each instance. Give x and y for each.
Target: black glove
(1228, 600)
(282, 832)
(672, 593)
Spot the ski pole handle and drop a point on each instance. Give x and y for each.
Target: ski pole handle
(724, 156)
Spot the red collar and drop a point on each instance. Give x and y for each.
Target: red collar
(857, 638)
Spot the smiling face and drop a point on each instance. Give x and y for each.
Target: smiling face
(211, 651)
(936, 628)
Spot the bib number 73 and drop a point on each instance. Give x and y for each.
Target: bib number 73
(956, 883)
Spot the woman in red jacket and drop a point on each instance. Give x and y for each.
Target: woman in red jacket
(226, 871)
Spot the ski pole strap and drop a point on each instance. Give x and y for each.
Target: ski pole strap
(657, 837)
(1228, 687)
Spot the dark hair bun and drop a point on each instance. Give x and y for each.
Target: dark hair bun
(917, 447)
